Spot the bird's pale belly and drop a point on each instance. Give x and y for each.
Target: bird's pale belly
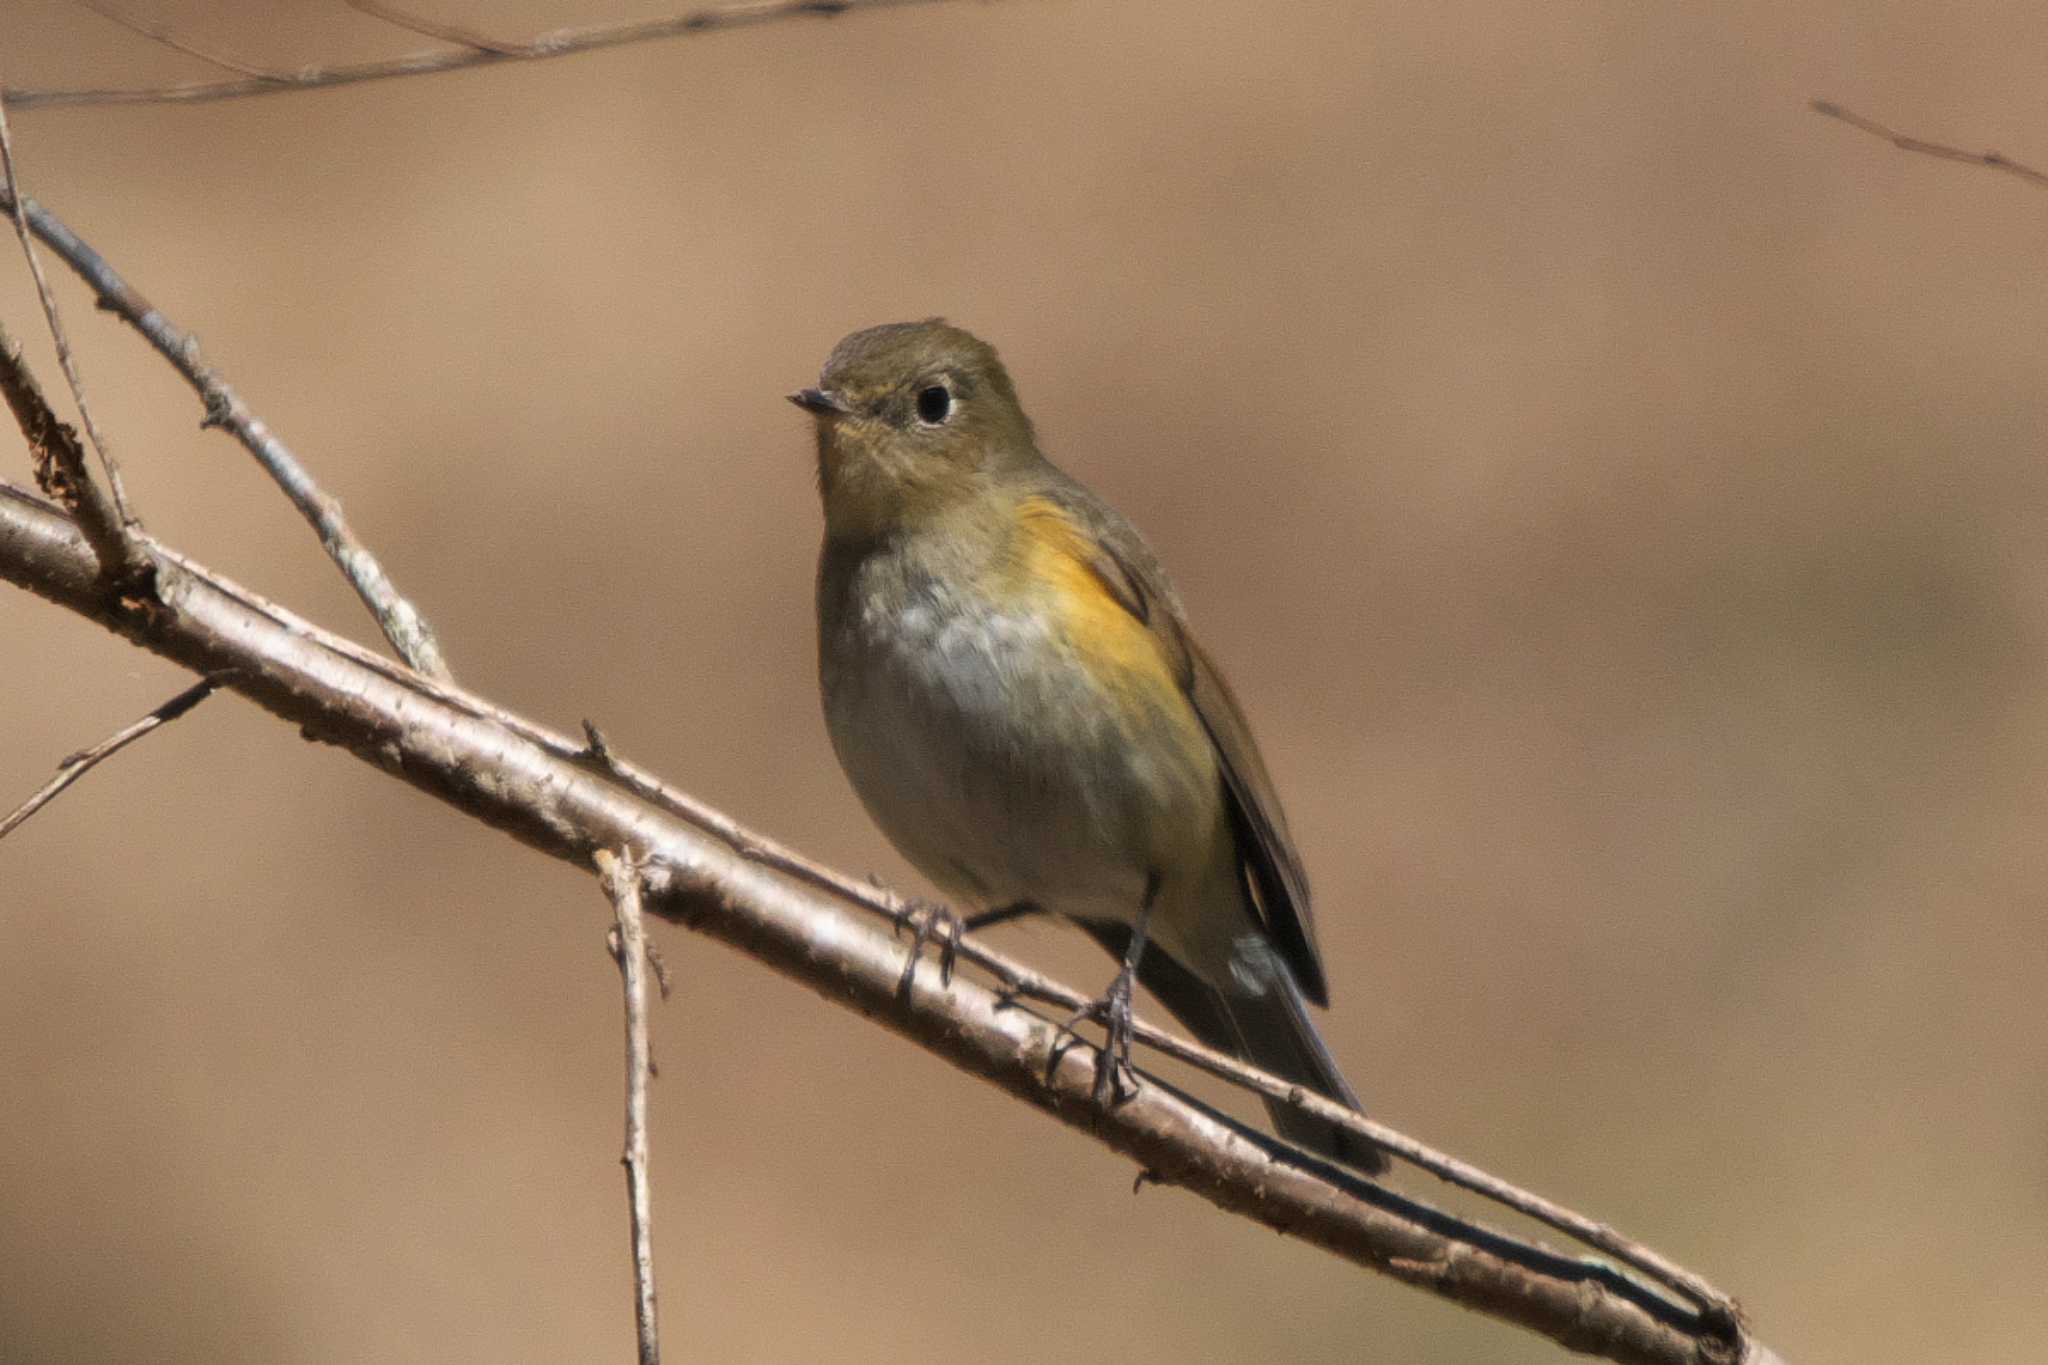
(1003, 762)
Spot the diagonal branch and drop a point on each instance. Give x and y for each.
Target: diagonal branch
(80, 763)
(1996, 161)
(402, 623)
(473, 51)
(458, 750)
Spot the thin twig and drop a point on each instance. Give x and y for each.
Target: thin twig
(65, 360)
(456, 751)
(402, 624)
(620, 875)
(472, 52)
(60, 465)
(1996, 161)
(161, 33)
(434, 28)
(78, 764)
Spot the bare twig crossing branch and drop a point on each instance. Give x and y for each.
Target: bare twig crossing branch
(402, 623)
(80, 763)
(473, 50)
(1996, 161)
(621, 878)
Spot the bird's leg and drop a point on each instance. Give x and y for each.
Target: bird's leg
(929, 922)
(1113, 1069)
(934, 923)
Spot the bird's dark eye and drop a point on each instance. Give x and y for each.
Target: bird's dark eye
(933, 404)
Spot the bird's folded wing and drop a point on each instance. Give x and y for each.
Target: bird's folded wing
(1113, 551)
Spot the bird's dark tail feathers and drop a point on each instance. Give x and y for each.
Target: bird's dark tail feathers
(1270, 1029)
(1275, 1035)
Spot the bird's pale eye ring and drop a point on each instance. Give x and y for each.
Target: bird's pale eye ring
(934, 404)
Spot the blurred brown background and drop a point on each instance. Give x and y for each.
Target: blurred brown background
(1616, 491)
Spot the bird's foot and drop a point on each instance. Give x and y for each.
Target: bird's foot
(1115, 1079)
(930, 922)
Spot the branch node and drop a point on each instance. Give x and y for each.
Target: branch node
(596, 748)
(662, 980)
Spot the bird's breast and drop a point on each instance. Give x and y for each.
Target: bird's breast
(1014, 730)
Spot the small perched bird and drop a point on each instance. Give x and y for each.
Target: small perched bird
(1013, 691)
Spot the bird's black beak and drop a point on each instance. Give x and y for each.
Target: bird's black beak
(823, 402)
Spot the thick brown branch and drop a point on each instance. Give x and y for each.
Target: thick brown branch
(457, 751)
(475, 51)
(402, 623)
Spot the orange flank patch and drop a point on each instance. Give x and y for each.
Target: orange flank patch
(1057, 559)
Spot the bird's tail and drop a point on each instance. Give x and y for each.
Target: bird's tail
(1269, 1028)
(1274, 1034)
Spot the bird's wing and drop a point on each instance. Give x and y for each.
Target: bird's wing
(1119, 557)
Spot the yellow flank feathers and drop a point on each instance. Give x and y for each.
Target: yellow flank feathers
(1057, 559)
